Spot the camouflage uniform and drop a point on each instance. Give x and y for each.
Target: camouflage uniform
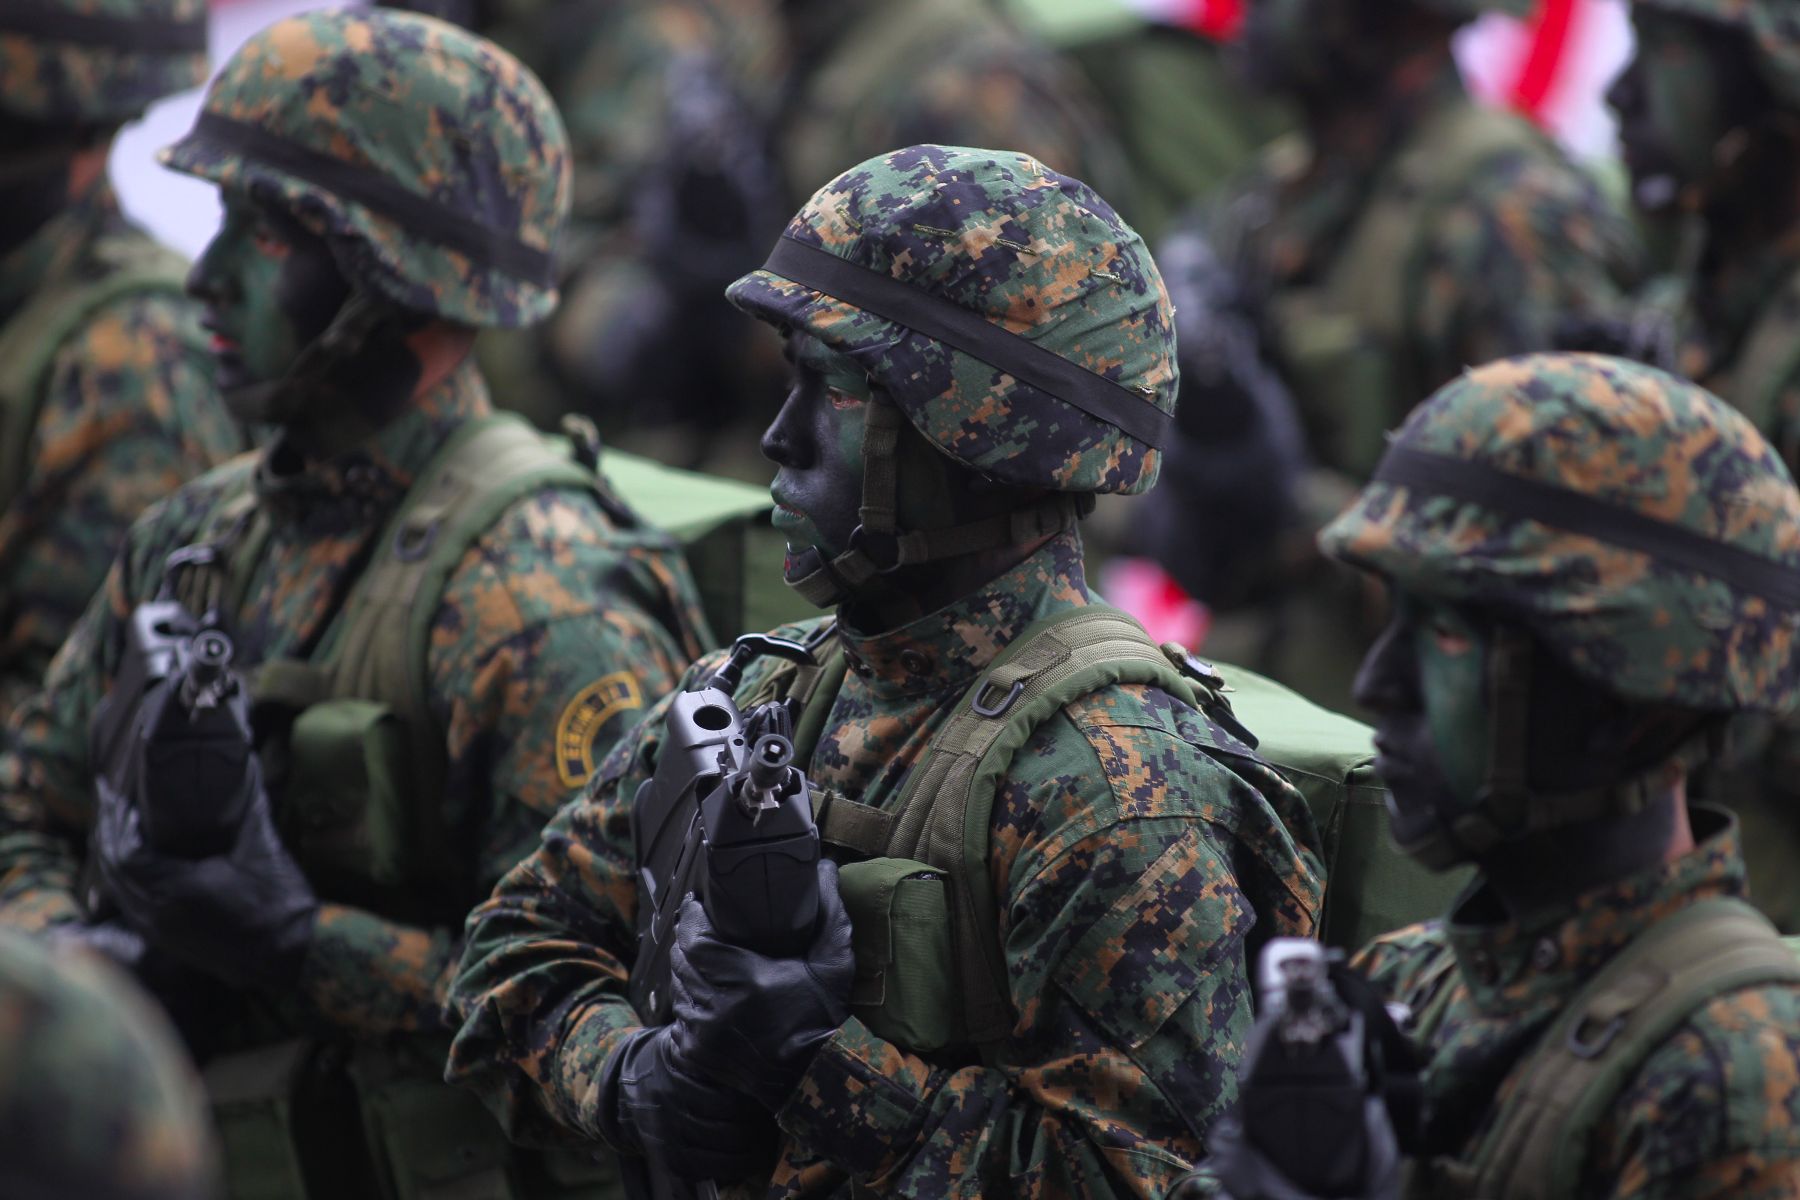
(1128, 867)
(96, 1098)
(543, 645)
(1736, 310)
(1434, 235)
(1715, 1108)
(125, 410)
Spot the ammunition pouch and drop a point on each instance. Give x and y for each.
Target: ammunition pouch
(305, 1120)
(345, 803)
(906, 962)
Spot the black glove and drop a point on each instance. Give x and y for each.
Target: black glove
(694, 1128)
(752, 1021)
(245, 916)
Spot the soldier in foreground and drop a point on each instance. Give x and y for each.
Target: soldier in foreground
(1405, 232)
(106, 396)
(1068, 1023)
(1708, 112)
(435, 621)
(97, 1100)
(1593, 564)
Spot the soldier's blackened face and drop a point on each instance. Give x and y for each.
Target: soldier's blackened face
(1689, 85)
(1425, 679)
(816, 441)
(270, 288)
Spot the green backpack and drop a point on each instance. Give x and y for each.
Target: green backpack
(1536, 1145)
(930, 973)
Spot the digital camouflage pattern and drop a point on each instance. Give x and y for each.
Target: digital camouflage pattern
(1713, 1112)
(552, 603)
(1129, 869)
(1773, 27)
(97, 1099)
(1633, 437)
(324, 114)
(126, 412)
(1028, 250)
(129, 54)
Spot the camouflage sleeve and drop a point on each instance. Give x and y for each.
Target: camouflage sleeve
(1114, 857)
(536, 680)
(1530, 244)
(129, 414)
(1714, 1113)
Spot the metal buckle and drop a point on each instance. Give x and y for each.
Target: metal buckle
(998, 710)
(881, 549)
(1583, 1048)
(412, 543)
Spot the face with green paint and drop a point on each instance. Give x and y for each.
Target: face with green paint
(1426, 681)
(1689, 85)
(270, 288)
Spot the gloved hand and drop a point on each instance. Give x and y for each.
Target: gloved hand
(245, 916)
(755, 1022)
(654, 1106)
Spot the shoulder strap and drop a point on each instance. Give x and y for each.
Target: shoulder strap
(31, 339)
(1769, 361)
(943, 813)
(1539, 1139)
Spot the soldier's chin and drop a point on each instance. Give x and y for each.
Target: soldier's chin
(801, 562)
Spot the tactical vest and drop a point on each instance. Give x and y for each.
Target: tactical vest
(32, 338)
(362, 810)
(1347, 343)
(930, 973)
(1536, 1145)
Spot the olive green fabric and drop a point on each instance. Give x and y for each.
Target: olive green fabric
(942, 985)
(36, 332)
(1371, 887)
(1535, 1144)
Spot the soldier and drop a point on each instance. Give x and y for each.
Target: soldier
(1707, 114)
(446, 619)
(1082, 1037)
(97, 1099)
(1407, 232)
(106, 399)
(1592, 564)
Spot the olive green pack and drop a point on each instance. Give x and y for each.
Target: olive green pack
(1536, 1144)
(34, 335)
(1344, 342)
(362, 770)
(930, 972)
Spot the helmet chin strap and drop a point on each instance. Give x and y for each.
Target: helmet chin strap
(877, 546)
(1507, 807)
(308, 386)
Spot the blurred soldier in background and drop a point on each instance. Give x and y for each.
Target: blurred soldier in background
(1709, 116)
(1408, 232)
(1062, 1013)
(1592, 565)
(442, 619)
(106, 397)
(97, 1099)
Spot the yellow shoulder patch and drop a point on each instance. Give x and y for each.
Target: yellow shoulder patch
(588, 713)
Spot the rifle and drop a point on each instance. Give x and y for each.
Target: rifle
(726, 816)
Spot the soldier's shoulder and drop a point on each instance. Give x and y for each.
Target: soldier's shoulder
(1406, 961)
(178, 517)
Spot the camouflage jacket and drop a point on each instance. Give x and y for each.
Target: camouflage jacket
(126, 414)
(1714, 1112)
(96, 1096)
(1128, 867)
(546, 605)
(1495, 261)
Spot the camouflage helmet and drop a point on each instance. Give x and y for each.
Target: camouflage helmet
(1013, 317)
(1637, 525)
(99, 62)
(1773, 27)
(434, 164)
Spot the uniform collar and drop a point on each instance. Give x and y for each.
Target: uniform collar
(355, 486)
(1518, 966)
(55, 248)
(954, 645)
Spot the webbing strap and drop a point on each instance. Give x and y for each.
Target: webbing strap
(1538, 1142)
(943, 813)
